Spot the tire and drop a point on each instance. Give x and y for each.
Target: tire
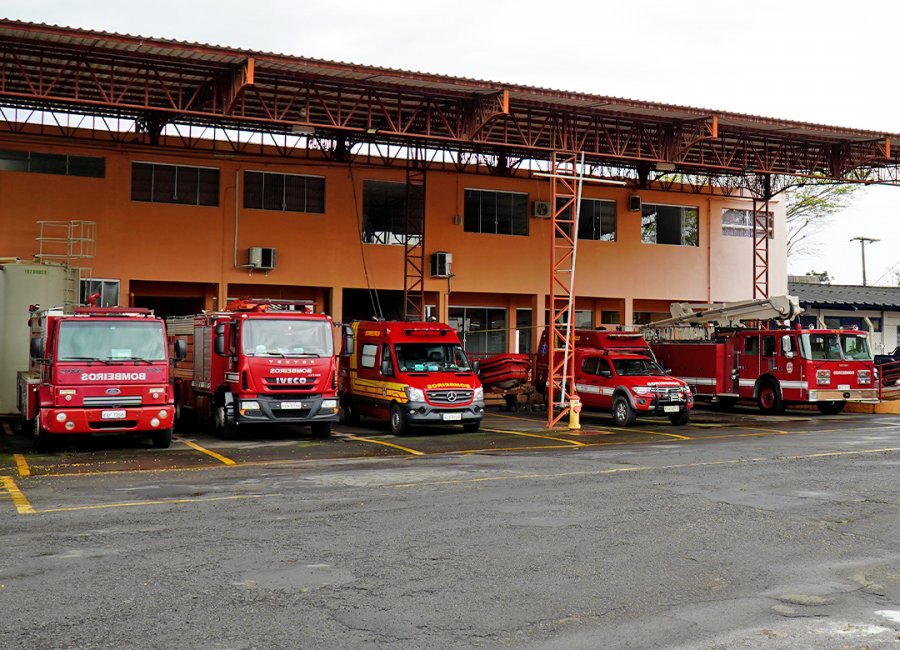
(399, 426)
(769, 399)
(681, 418)
(623, 414)
(43, 441)
(162, 439)
(830, 408)
(223, 429)
(472, 427)
(349, 414)
(320, 429)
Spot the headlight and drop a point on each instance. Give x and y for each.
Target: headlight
(641, 390)
(823, 377)
(250, 406)
(479, 393)
(329, 403)
(864, 376)
(415, 394)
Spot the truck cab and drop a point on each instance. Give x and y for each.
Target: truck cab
(409, 373)
(617, 372)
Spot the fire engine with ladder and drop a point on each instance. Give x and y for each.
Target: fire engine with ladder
(731, 351)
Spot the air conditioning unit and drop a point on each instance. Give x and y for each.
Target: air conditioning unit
(542, 209)
(440, 264)
(261, 258)
(634, 203)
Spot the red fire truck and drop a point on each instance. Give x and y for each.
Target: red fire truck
(257, 362)
(409, 373)
(617, 372)
(99, 371)
(723, 360)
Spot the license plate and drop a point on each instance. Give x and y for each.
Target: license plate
(670, 409)
(450, 417)
(291, 405)
(112, 415)
(843, 387)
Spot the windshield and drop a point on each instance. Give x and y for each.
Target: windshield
(826, 346)
(431, 357)
(636, 367)
(110, 341)
(286, 337)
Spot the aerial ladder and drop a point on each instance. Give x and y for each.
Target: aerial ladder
(696, 320)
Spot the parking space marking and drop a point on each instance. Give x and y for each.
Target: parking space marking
(6, 428)
(535, 420)
(22, 464)
(23, 507)
(535, 435)
(385, 443)
(677, 436)
(209, 452)
(137, 504)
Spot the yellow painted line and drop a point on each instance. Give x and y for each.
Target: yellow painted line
(209, 452)
(6, 428)
(643, 468)
(535, 435)
(528, 448)
(652, 433)
(18, 498)
(22, 464)
(778, 431)
(385, 443)
(137, 504)
(708, 425)
(538, 421)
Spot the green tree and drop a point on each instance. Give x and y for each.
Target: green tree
(809, 207)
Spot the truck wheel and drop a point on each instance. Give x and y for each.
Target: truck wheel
(472, 427)
(349, 414)
(43, 442)
(162, 439)
(623, 414)
(769, 399)
(399, 425)
(680, 418)
(830, 408)
(223, 429)
(320, 429)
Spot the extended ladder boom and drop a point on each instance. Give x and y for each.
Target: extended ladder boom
(731, 314)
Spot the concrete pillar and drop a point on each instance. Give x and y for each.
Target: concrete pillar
(628, 315)
(539, 319)
(336, 307)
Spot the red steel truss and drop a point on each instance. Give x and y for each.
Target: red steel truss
(564, 206)
(160, 85)
(761, 228)
(414, 239)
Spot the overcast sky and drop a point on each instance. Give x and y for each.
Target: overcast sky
(827, 62)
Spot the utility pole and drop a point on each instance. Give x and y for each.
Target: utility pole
(862, 246)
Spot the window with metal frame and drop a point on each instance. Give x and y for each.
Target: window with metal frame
(596, 219)
(284, 192)
(496, 213)
(676, 225)
(384, 213)
(53, 163)
(482, 330)
(108, 290)
(164, 183)
(739, 223)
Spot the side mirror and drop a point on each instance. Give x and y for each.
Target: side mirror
(37, 348)
(386, 368)
(180, 349)
(348, 347)
(219, 344)
(787, 346)
(476, 367)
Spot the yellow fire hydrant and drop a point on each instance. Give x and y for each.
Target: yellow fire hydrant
(574, 413)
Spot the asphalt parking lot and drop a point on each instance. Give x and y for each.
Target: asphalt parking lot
(736, 530)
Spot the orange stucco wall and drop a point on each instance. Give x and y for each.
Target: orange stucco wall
(320, 254)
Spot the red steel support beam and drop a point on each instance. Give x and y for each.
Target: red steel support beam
(414, 237)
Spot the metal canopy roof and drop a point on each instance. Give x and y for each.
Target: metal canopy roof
(160, 82)
(837, 296)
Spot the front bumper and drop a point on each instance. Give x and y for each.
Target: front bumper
(851, 395)
(424, 413)
(304, 409)
(91, 421)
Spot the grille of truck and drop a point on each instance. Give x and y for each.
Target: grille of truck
(110, 400)
(449, 396)
(290, 413)
(310, 384)
(669, 394)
